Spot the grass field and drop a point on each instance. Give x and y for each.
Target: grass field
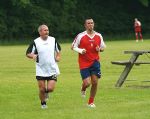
(19, 92)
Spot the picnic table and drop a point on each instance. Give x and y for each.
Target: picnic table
(129, 64)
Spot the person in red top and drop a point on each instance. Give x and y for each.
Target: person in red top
(137, 28)
(88, 44)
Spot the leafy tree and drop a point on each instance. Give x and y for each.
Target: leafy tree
(145, 2)
(19, 19)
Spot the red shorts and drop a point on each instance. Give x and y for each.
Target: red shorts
(138, 29)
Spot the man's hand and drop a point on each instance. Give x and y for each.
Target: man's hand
(101, 49)
(58, 57)
(97, 48)
(83, 51)
(34, 57)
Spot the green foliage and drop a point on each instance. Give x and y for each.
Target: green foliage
(145, 2)
(20, 3)
(3, 25)
(19, 19)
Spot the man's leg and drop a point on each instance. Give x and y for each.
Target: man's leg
(41, 85)
(50, 88)
(51, 85)
(141, 37)
(94, 82)
(85, 84)
(85, 74)
(136, 35)
(51, 82)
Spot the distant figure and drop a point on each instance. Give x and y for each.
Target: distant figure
(137, 28)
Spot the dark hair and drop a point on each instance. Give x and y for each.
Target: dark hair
(88, 19)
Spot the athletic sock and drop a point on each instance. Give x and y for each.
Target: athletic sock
(46, 91)
(91, 100)
(43, 103)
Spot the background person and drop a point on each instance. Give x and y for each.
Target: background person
(137, 29)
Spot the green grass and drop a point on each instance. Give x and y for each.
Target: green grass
(19, 92)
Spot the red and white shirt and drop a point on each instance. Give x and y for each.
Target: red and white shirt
(84, 41)
(137, 26)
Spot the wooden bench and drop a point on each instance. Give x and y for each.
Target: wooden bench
(129, 64)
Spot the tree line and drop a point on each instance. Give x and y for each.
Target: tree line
(19, 19)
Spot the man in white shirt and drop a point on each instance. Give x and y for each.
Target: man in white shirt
(45, 50)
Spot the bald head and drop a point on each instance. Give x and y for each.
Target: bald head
(43, 31)
(41, 27)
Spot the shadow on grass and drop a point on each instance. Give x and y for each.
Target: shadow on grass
(145, 85)
(132, 80)
(139, 86)
(146, 81)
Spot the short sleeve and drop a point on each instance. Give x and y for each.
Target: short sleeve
(102, 45)
(31, 48)
(76, 41)
(57, 46)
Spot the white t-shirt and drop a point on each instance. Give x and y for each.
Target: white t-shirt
(45, 49)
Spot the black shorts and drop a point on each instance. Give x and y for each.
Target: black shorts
(53, 77)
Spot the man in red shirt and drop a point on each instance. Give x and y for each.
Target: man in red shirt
(88, 44)
(137, 28)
